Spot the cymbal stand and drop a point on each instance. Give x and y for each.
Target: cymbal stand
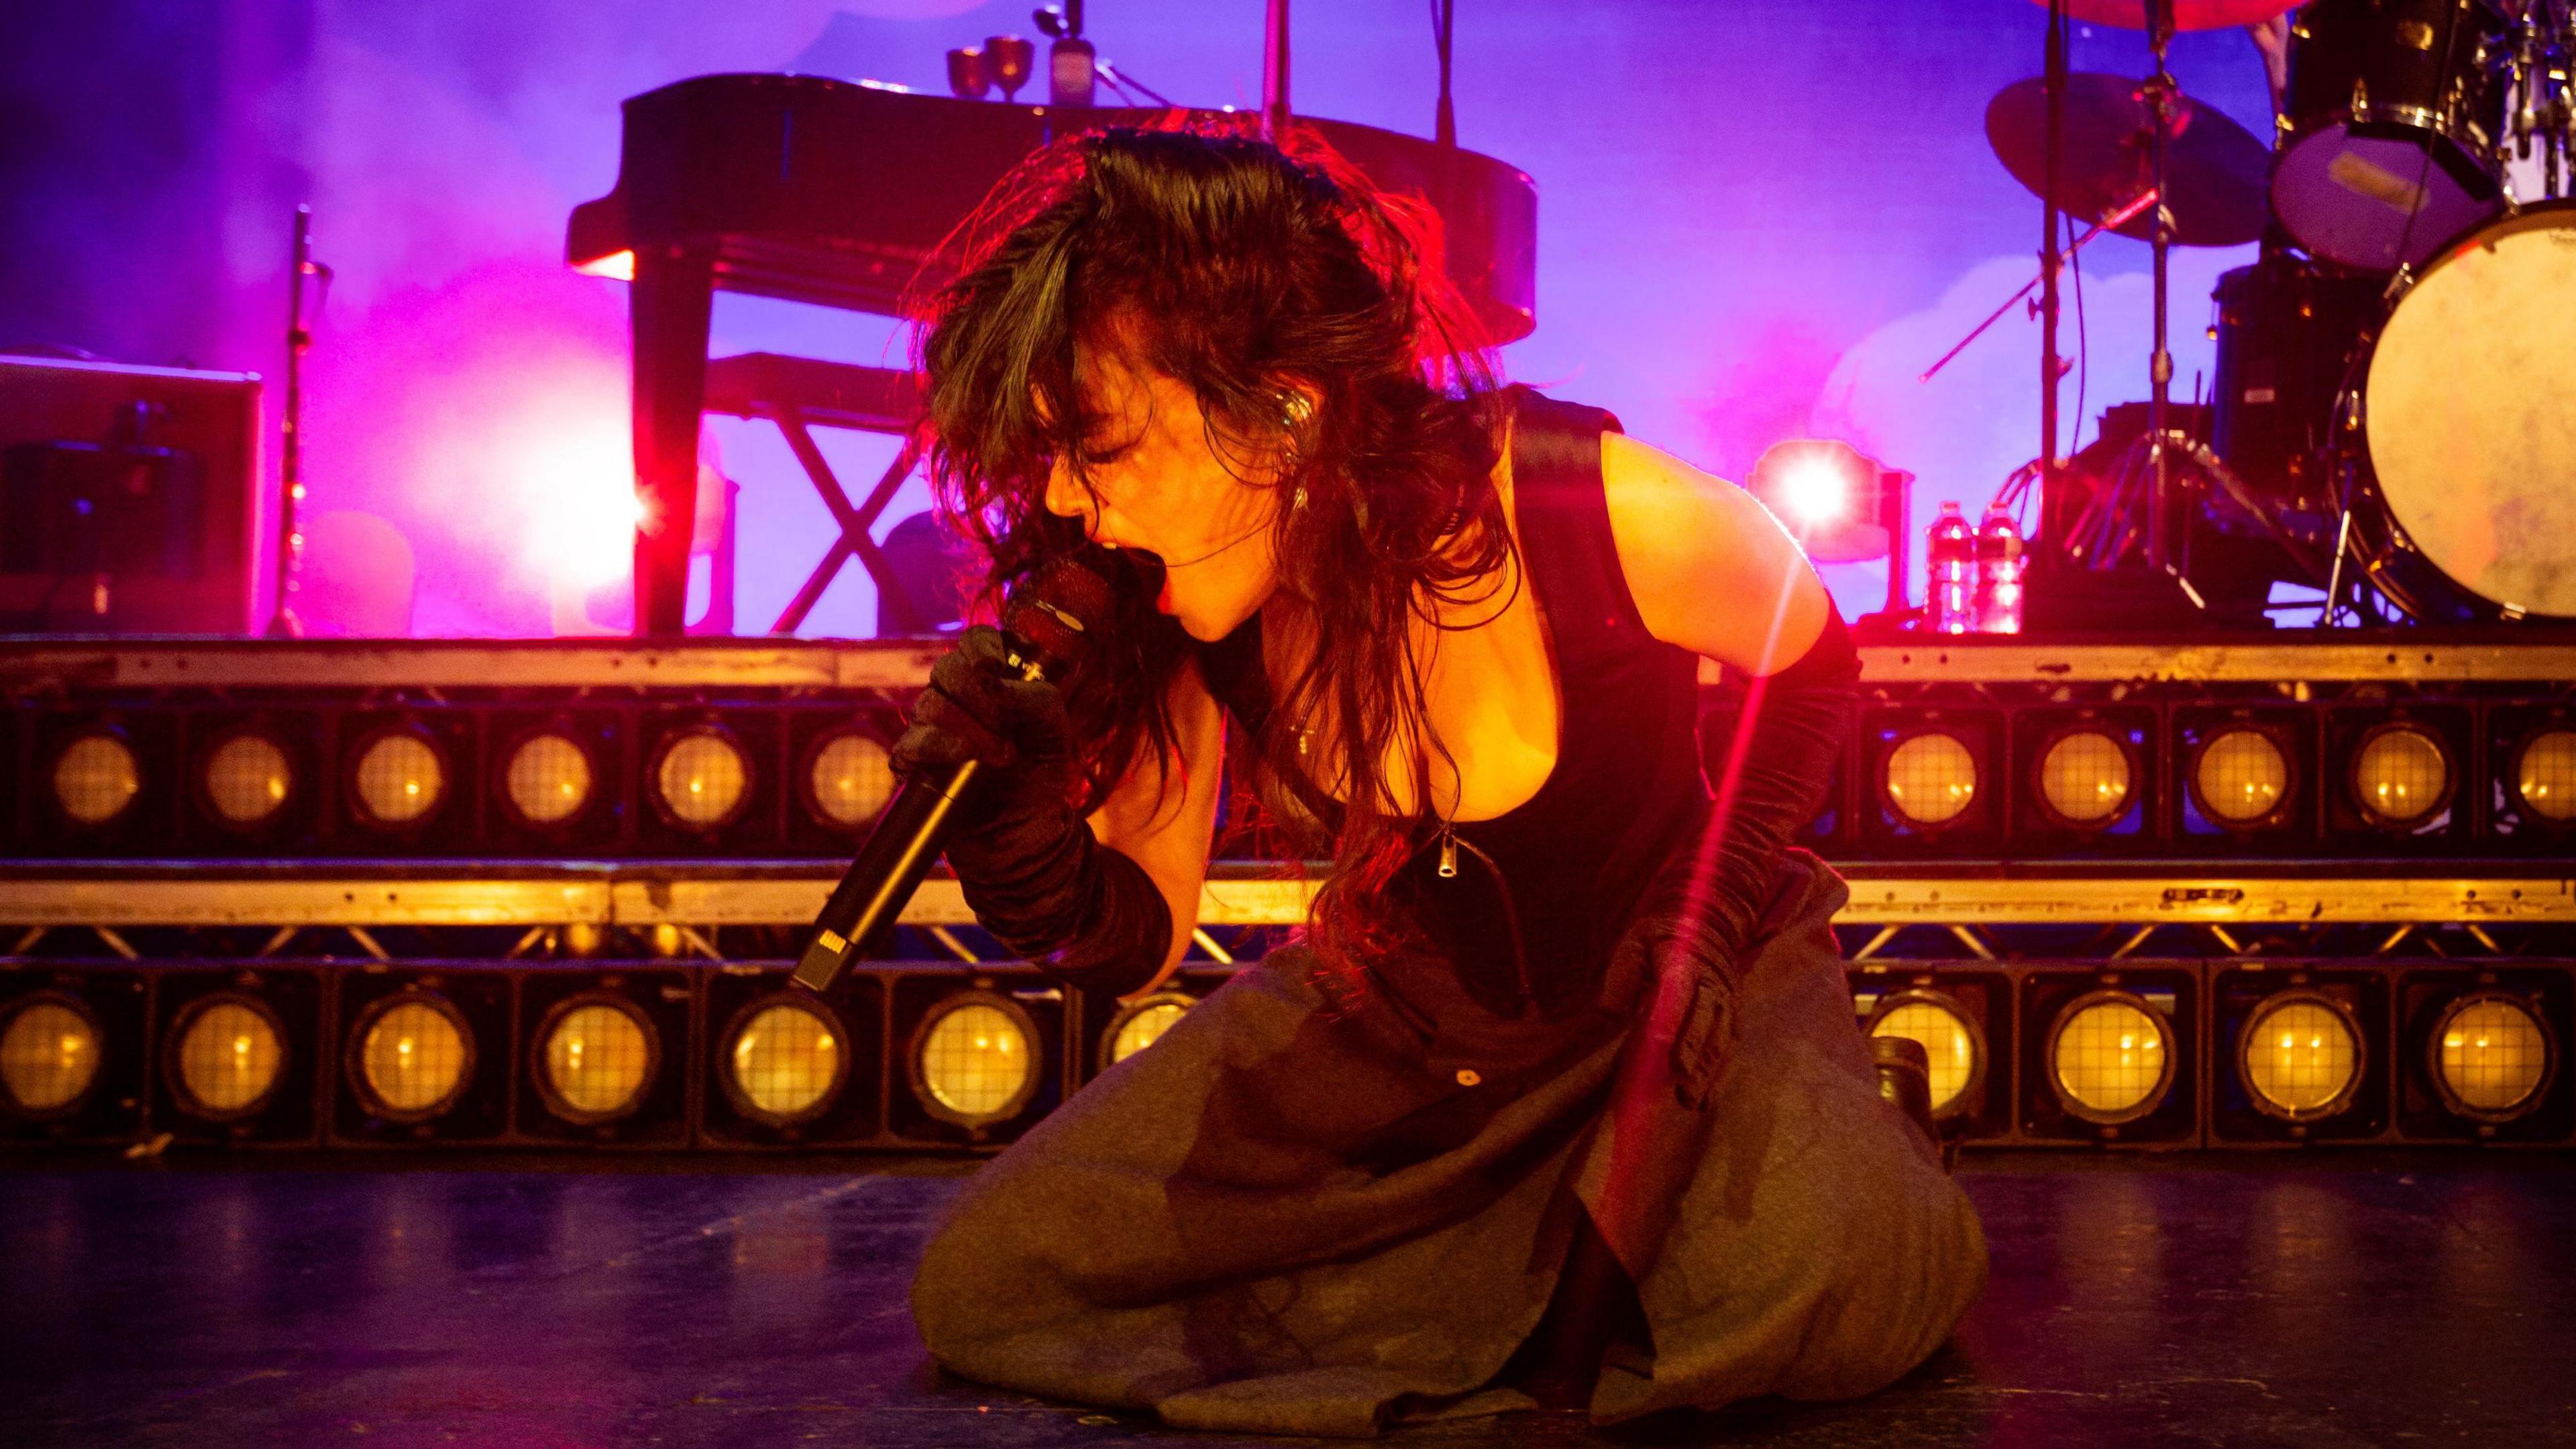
(2051, 260)
(2159, 94)
(1274, 72)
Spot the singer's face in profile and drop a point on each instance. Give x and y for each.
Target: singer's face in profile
(1157, 484)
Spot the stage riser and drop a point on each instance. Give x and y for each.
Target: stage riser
(2336, 783)
(162, 1032)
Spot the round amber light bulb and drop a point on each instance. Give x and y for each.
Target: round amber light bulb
(2545, 776)
(597, 1058)
(785, 1060)
(1144, 1027)
(975, 1060)
(702, 779)
(49, 1057)
(2299, 1057)
(95, 778)
(2493, 1055)
(2085, 778)
(413, 1058)
(2111, 1058)
(400, 780)
(548, 779)
(852, 778)
(2241, 776)
(229, 1059)
(2401, 776)
(247, 779)
(1945, 1037)
(1931, 778)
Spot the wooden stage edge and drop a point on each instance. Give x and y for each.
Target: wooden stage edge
(76, 665)
(224, 894)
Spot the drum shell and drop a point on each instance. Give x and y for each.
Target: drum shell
(2372, 88)
(2401, 572)
(2289, 333)
(2391, 50)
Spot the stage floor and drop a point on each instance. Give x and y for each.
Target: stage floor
(2244, 1300)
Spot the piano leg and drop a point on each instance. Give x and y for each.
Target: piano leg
(668, 308)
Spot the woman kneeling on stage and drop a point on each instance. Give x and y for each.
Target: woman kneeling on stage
(1559, 1100)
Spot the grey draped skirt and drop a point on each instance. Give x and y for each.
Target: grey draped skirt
(1288, 1217)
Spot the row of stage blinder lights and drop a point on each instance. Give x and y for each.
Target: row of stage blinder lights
(400, 778)
(2148, 1054)
(924, 1056)
(2402, 773)
(2244, 775)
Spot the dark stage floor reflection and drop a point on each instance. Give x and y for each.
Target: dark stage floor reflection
(2306, 1301)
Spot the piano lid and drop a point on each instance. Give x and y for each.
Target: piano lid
(839, 193)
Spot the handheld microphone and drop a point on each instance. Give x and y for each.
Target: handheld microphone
(1048, 624)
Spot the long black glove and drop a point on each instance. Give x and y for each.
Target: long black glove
(1032, 871)
(1798, 719)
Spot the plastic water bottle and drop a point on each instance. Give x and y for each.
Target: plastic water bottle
(1951, 557)
(2000, 566)
(1072, 65)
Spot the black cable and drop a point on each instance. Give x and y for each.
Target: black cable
(2083, 344)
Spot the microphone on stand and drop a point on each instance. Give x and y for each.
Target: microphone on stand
(1048, 624)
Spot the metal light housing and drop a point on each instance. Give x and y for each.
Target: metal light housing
(2110, 1057)
(2300, 1056)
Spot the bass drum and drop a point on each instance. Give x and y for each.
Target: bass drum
(2469, 411)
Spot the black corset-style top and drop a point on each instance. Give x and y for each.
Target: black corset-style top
(1536, 896)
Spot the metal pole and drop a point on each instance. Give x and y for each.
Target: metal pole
(2050, 259)
(2160, 369)
(283, 624)
(1274, 72)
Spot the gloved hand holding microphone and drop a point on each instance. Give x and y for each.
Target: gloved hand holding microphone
(991, 774)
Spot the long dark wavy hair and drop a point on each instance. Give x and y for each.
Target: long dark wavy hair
(1250, 274)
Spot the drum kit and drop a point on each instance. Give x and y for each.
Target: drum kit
(2395, 400)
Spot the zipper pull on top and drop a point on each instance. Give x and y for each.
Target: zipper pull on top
(1448, 851)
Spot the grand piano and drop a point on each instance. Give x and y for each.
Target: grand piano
(838, 193)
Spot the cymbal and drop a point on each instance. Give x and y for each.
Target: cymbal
(2188, 14)
(2216, 172)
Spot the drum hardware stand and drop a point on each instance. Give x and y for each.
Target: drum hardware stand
(2216, 470)
(2334, 580)
(2537, 72)
(2051, 261)
(2159, 95)
(1274, 72)
(290, 466)
(2347, 482)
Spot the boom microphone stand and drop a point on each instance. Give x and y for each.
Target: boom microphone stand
(290, 468)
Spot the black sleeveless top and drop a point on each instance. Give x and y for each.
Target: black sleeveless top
(1542, 891)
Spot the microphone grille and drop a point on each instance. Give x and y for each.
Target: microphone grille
(1059, 611)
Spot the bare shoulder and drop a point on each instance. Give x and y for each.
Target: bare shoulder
(1709, 567)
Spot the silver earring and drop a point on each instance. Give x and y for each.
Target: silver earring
(1297, 499)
